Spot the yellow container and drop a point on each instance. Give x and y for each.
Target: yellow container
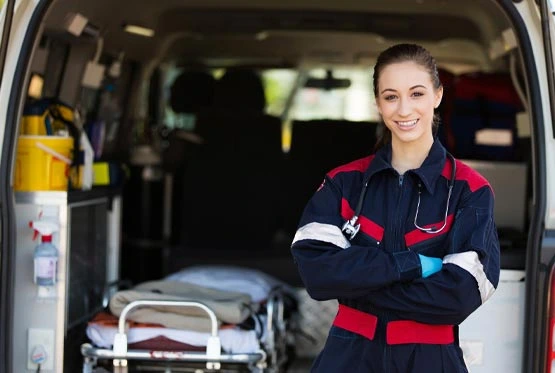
(44, 114)
(101, 174)
(62, 116)
(33, 125)
(42, 163)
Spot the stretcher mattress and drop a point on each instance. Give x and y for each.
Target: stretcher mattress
(103, 328)
(211, 315)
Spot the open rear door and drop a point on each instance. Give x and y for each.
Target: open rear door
(540, 313)
(548, 28)
(5, 272)
(19, 24)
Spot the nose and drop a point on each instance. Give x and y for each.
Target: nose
(405, 107)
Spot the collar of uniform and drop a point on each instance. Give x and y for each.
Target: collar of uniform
(381, 161)
(432, 167)
(428, 172)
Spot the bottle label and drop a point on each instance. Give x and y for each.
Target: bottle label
(45, 270)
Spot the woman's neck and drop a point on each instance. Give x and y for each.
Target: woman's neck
(409, 156)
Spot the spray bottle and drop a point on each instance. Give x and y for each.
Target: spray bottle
(45, 257)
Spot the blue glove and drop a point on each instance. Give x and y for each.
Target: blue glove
(430, 265)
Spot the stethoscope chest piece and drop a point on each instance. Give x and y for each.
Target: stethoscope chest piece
(351, 228)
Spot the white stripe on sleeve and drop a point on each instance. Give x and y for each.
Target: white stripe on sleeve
(470, 262)
(322, 232)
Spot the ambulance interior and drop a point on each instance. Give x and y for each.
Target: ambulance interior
(218, 122)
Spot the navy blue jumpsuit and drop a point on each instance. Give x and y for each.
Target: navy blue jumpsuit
(390, 319)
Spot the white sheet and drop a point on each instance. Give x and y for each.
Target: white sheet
(233, 340)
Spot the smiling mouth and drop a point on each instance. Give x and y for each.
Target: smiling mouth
(407, 124)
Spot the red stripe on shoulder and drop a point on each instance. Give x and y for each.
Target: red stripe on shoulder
(464, 172)
(359, 165)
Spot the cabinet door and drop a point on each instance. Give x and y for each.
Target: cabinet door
(88, 249)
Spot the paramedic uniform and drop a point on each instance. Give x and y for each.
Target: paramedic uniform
(390, 319)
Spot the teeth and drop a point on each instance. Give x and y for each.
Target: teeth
(408, 123)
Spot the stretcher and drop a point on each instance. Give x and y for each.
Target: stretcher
(268, 353)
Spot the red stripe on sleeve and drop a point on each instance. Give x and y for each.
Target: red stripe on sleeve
(366, 225)
(406, 331)
(356, 321)
(416, 236)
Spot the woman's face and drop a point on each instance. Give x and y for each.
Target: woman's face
(406, 101)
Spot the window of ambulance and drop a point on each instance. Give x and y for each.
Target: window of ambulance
(353, 102)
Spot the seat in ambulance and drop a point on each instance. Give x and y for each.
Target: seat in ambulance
(229, 200)
(317, 147)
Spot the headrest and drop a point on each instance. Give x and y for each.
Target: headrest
(192, 91)
(240, 89)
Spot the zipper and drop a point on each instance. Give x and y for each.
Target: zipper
(396, 227)
(397, 224)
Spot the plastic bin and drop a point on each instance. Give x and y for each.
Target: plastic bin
(42, 163)
(46, 117)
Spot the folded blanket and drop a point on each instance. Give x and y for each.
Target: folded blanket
(251, 281)
(229, 307)
(102, 329)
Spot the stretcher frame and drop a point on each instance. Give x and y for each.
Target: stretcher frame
(268, 359)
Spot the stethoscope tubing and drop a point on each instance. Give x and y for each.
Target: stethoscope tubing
(350, 227)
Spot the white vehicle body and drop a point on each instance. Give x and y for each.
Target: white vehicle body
(513, 332)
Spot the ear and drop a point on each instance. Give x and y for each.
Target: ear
(438, 97)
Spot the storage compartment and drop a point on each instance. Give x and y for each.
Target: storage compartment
(492, 337)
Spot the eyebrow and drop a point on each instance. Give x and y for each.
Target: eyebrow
(411, 88)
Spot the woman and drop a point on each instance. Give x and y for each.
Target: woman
(404, 238)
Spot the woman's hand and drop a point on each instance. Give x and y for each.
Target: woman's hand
(430, 265)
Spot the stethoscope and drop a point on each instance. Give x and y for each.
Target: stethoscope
(351, 228)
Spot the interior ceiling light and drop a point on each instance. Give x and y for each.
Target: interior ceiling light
(262, 35)
(138, 30)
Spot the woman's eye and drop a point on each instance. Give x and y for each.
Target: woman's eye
(417, 94)
(390, 97)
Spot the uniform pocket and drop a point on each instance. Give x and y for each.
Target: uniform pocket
(480, 235)
(362, 239)
(435, 246)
